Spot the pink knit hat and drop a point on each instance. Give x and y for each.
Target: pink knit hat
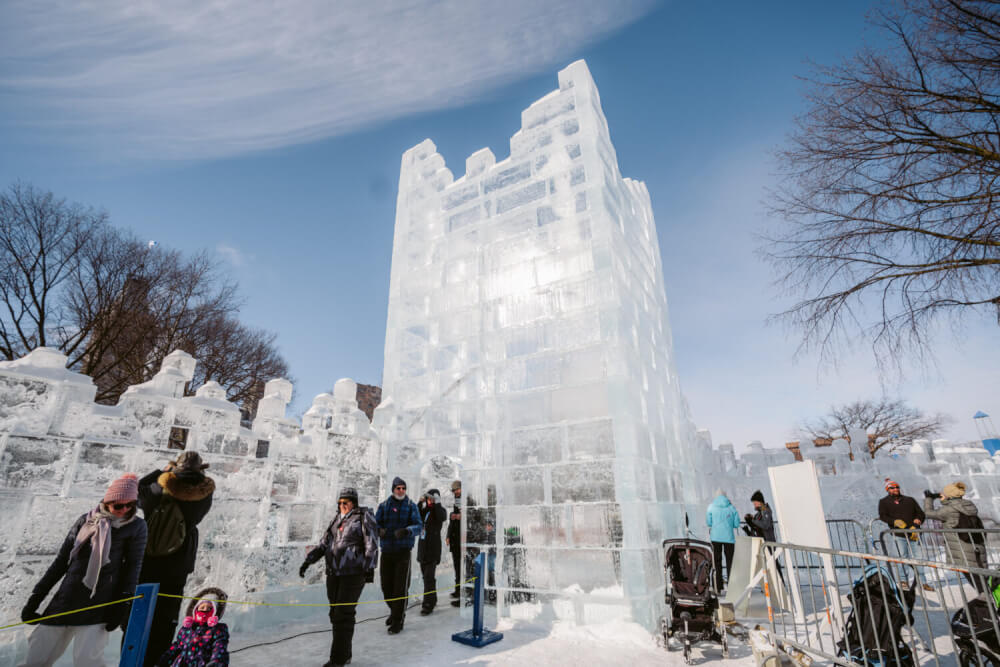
(125, 489)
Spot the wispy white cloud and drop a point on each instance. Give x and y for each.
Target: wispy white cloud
(208, 78)
(236, 257)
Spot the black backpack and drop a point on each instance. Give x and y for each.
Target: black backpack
(166, 528)
(971, 522)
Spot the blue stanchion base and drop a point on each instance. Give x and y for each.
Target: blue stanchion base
(468, 638)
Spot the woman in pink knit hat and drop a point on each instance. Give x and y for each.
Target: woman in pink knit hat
(98, 562)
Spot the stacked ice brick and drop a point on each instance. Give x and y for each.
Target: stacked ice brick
(528, 338)
(277, 483)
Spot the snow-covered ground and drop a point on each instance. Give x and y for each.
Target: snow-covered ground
(427, 641)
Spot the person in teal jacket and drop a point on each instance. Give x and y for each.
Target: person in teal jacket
(723, 520)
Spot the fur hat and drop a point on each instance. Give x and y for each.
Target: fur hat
(189, 461)
(757, 496)
(954, 490)
(349, 493)
(216, 596)
(125, 489)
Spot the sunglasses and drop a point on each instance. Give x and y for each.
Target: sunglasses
(344, 502)
(121, 506)
(397, 488)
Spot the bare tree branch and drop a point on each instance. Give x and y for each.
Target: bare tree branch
(889, 424)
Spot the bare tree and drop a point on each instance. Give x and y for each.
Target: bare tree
(116, 306)
(890, 184)
(889, 424)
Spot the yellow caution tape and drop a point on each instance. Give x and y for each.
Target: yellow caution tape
(67, 613)
(315, 604)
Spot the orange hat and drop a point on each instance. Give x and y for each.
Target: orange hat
(889, 484)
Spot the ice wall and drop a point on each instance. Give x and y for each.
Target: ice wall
(277, 481)
(528, 339)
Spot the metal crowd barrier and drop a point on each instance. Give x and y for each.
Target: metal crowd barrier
(873, 609)
(952, 545)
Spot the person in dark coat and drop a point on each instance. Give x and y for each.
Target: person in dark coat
(453, 538)
(183, 483)
(399, 524)
(903, 513)
(432, 515)
(98, 562)
(203, 640)
(350, 548)
(761, 524)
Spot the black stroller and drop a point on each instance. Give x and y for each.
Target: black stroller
(980, 633)
(693, 614)
(879, 610)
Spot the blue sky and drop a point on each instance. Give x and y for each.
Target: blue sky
(273, 137)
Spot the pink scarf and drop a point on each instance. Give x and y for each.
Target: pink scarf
(96, 529)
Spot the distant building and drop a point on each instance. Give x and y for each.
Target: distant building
(369, 397)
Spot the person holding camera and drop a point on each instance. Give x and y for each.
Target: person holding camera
(965, 546)
(429, 546)
(351, 552)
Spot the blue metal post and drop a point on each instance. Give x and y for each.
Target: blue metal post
(478, 636)
(139, 623)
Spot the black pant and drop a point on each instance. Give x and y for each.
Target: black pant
(428, 570)
(340, 589)
(165, 614)
(718, 548)
(394, 572)
(456, 561)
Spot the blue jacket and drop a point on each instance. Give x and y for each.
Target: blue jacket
(722, 519)
(393, 514)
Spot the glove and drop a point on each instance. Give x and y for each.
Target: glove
(400, 533)
(369, 576)
(899, 523)
(748, 518)
(302, 570)
(381, 532)
(29, 615)
(930, 494)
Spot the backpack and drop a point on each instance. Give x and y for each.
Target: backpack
(971, 522)
(166, 529)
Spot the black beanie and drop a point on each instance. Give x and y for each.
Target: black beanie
(398, 481)
(758, 496)
(349, 493)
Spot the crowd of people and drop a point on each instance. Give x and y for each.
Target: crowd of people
(111, 549)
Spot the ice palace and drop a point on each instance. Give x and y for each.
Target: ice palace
(528, 352)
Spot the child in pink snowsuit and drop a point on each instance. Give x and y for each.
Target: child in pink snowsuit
(202, 641)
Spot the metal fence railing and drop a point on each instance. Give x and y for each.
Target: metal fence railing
(875, 609)
(968, 547)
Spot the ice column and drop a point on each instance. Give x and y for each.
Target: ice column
(528, 338)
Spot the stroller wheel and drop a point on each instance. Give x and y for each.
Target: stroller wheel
(967, 658)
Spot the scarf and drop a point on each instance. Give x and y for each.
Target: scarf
(96, 530)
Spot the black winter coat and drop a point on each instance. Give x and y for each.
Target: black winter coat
(902, 507)
(454, 534)
(350, 544)
(194, 498)
(429, 546)
(117, 580)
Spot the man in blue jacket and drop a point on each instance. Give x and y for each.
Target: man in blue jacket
(723, 520)
(399, 524)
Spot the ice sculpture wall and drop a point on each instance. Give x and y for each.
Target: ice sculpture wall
(277, 482)
(528, 338)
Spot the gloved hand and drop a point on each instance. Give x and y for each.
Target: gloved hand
(400, 533)
(302, 570)
(29, 614)
(381, 532)
(748, 518)
(899, 523)
(930, 494)
(369, 576)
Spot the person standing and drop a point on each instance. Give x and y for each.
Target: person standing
(454, 539)
(432, 515)
(961, 547)
(723, 520)
(399, 524)
(351, 552)
(174, 500)
(761, 524)
(902, 513)
(98, 562)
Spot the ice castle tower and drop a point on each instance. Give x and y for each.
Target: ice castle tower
(528, 340)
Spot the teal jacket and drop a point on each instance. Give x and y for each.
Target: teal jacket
(723, 520)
